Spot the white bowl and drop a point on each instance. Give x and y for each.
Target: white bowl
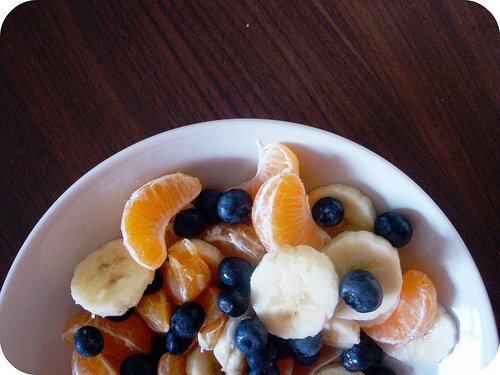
(35, 301)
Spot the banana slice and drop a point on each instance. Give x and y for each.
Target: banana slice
(359, 213)
(335, 369)
(341, 333)
(350, 251)
(109, 281)
(431, 348)
(294, 291)
(202, 363)
(231, 359)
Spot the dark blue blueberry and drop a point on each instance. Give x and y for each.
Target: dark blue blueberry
(155, 284)
(307, 360)
(189, 223)
(328, 212)
(175, 344)
(361, 291)
(263, 359)
(88, 341)
(307, 346)
(187, 319)
(138, 363)
(377, 351)
(235, 206)
(233, 301)
(250, 336)
(206, 202)
(282, 348)
(379, 371)
(158, 347)
(394, 227)
(273, 370)
(235, 271)
(358, 358)
(121, 318)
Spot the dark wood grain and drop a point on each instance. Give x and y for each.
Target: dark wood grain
(416, 82)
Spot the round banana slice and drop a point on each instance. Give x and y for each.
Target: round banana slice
(363, 250)
(109, 281)
(230, 358)
(431, 348)
(341, 333)
(359, 213)
(294, 291)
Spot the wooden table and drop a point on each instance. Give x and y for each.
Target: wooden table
(415, 82)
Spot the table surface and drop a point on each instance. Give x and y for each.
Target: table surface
(416, 82)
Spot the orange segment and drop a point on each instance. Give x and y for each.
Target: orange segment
(273, 159)
(171, 364)
(214, 322)
(285, 366)
(121, 339)
(95, 365)
(185, 273)
(238, 240)
(156, 310)
(281, 214)
(148, 212)
(211, 255)
(414, 315)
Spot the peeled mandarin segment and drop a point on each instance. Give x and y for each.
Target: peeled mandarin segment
(211, 255)
(214, 321)
(202, 362)
(73, 325)
(238, 240)
(285, 366)
(156, 310)
(281, 214)
(171, 364)
(359, 212)
(148, 212)
(414, 315)
(273, 159)
(185, 273)
(99, 364)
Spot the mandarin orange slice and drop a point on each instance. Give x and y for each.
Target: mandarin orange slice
(171, 364)
(214, 322)
(285, 366)
(121, 339)
(156, 310)
(185, 273)
(99, 364)
(414, 315)
(239, 240)
(211, 255)
(148, 212)
(273, 159)
(281, 214)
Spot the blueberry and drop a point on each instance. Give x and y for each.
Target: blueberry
(372, 345)
(328, 212)
(155, 284)
(235, 271)
(273, 370)
(358, 358)
(235, 206)
(189, 223)
(307, 346)
(138, 363)
(394, 227)
(233, 301)
(121, 318)
(379, 371)
(282, 348)
(361, 291)
(175, 344)
(88, 341)
(187, 319)
(307, 360)
(250, 336)
(206, 202)
(263, 359)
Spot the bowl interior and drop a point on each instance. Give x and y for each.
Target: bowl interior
(35, 301)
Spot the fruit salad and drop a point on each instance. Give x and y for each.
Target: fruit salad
(264, 278)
